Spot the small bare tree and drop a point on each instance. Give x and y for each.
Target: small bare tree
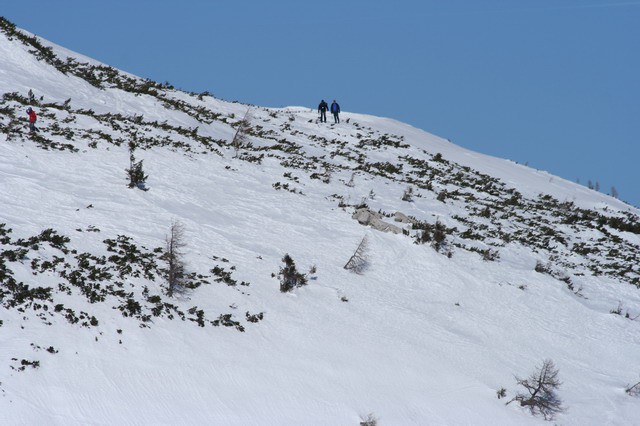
(633, 390)
(408, 194)
(351, 183)
(614, 192)
(326, 175)
(359, 261)
(242, 128)
(174, 256)
(541, 386)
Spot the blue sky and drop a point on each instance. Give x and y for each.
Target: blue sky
(554, 84)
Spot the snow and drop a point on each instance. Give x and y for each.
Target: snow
(423, 339)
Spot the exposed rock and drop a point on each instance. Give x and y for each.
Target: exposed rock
(369, 218)
(402, 218)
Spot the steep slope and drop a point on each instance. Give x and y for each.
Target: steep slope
(492, 268)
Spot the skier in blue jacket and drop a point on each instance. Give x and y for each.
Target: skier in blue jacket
(335, 110)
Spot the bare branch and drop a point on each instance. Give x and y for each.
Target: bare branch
(633, 390)
(359, 262)
(240, 138)
(541, 386)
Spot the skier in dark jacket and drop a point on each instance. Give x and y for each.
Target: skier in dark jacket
(335, 110)
(32, 120)
(322, 109)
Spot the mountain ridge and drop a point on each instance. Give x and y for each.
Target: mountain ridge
(292, 186)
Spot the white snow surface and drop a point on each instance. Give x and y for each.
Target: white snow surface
(423, 339)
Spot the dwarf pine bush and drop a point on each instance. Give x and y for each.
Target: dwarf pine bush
(289, 276)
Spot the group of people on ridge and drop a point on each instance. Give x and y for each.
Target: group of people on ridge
(335, 110)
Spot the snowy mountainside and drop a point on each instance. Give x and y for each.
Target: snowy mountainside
(476, 268)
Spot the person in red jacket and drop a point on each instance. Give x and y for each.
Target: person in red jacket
(32, 120)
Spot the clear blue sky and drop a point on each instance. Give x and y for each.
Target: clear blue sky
(554, 84)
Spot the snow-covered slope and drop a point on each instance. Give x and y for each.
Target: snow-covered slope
(529, 269)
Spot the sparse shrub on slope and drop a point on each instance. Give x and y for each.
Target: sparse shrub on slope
(369, 420)
(99, 279)
(289, 276)
(136, 175)
(91, 279)
(489, 255)
(543, 268)
(434, 234)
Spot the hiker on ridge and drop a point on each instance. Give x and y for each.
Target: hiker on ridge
(322, 109)
(335, 110)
